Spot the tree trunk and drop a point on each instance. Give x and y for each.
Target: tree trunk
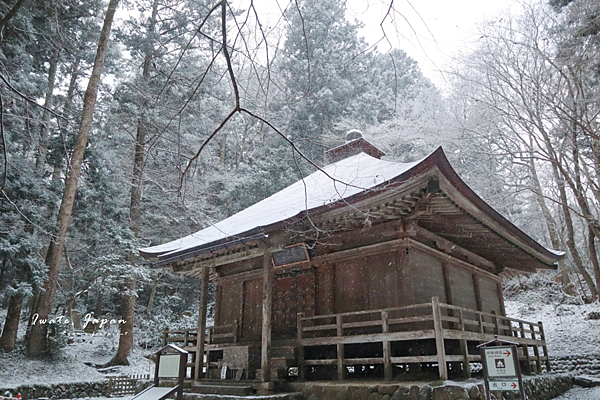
(40, 157)
(551, 225)
(8, 340)
(571, 237)
(127, 313)
(36, 345)
(153, 293)
(594, 257)
(98, 307)
(9, 15)
(142, 128)
(223, 150)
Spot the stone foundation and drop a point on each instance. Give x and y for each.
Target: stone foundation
(541, 387)
(62, 391)
(586, 364)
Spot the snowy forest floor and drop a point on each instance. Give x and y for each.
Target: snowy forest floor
(69, 364)
(568, 327)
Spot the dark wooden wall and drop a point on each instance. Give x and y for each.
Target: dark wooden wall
(398, 277)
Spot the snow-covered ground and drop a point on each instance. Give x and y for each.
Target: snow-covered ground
(580, 393)
(568, 329)
(70, 365)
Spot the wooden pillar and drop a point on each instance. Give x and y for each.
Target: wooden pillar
(439, 338)
(503, 311)
(477, 293)
(496, 323)
(387, 363)
(464, 348)
(301, 372)
(340, 347)
(267, 303)
(543, 337)
(447, 284)
(501, 299)
(480, 322)
(525, 348)
(200, 337)
(536, 351)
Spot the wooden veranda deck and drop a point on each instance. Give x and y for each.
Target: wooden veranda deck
(430, 333)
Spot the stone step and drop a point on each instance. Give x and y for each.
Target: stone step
(277, 374)
(225, 382)
(280, 396)
(223, 389)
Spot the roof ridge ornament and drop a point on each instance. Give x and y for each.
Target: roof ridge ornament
(355, 144)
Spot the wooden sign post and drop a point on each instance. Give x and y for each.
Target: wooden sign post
(501, 368)
(171, 363)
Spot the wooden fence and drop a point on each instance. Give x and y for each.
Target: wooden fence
(121, 385)
(435, 320)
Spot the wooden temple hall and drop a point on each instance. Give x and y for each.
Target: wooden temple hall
(364, 269)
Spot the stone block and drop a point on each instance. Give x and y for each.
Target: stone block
(450, 393)
(587, 381)
(402, 393)
(387, 389)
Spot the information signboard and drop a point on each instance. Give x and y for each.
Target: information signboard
(169, 366)
(501, 369)
(500, 362)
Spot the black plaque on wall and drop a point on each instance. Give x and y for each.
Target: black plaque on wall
(294, 254)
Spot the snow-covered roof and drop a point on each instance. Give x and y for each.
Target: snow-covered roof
(334, 182)
(359, 177)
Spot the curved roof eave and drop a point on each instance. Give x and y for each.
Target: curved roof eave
(437, 159)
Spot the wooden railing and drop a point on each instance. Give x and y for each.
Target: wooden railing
(433, 320)
(186, 338)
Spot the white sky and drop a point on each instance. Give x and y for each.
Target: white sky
(430, 31)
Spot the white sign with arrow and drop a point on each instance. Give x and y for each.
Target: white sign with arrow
(500, 362)
(509, 384)
(501, 368)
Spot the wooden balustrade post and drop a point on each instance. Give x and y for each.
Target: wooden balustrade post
(464, 349)
(165, 336)
(480, 319)
(340, 347)
(186, 333)
(236, 331)
(525, 348)
(496, 326)
(544, 347)
(439, 337)
(536, 351)
(301, 371)
(387, 362)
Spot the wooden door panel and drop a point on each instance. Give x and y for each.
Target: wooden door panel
(252, 315)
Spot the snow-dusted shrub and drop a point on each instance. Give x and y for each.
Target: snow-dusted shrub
(593, 315)
(538, 288)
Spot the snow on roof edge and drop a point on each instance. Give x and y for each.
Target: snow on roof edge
(351, 176)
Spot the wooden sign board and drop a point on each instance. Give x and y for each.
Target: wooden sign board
(291, 255)
(500, 362)
(501, 370)
(169, 366)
